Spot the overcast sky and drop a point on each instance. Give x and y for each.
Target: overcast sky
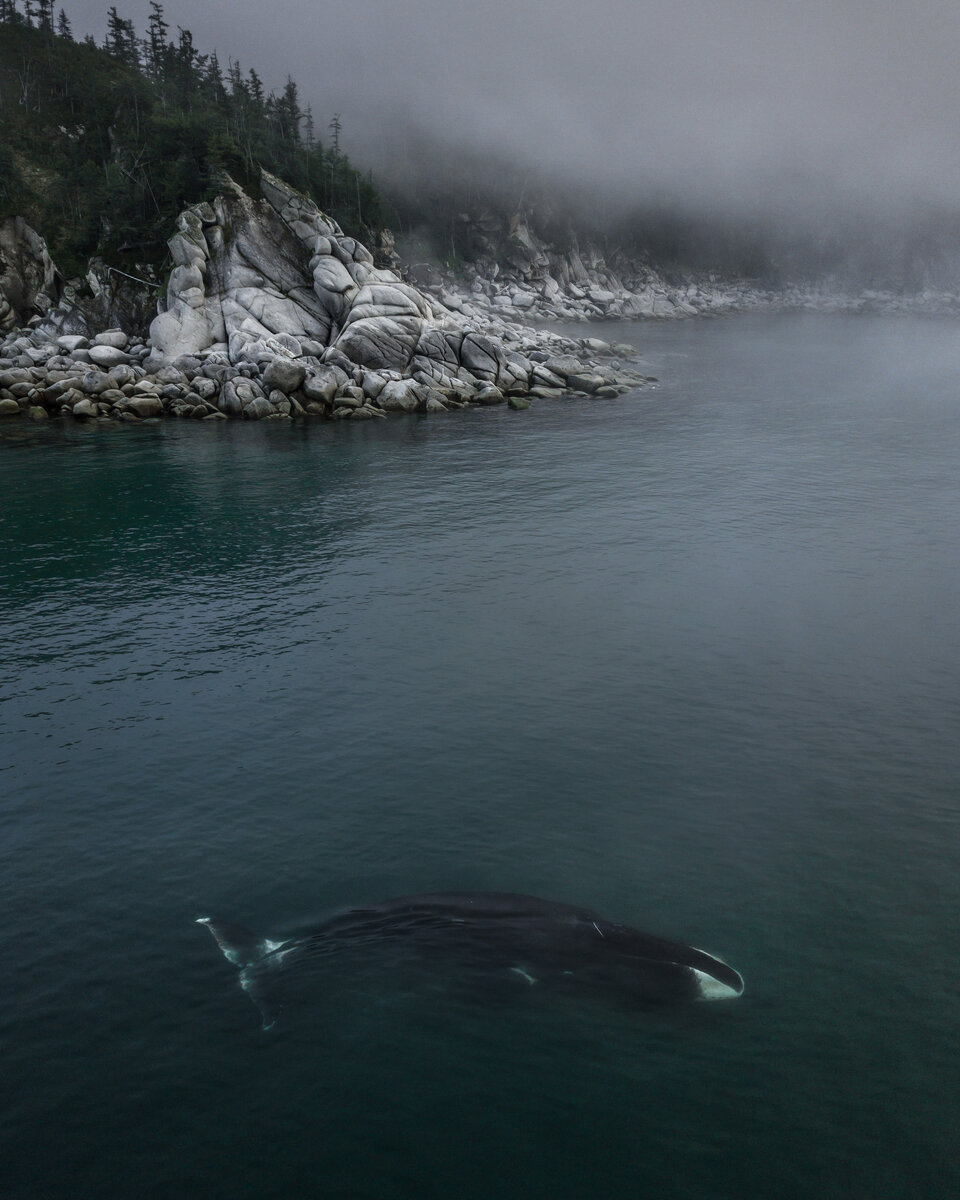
(780, 106)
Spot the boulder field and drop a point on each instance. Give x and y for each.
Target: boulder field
(272, 312)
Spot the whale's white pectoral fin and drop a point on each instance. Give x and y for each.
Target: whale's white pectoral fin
(713, 989)
(531, 979)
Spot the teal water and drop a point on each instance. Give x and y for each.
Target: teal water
(689, 657)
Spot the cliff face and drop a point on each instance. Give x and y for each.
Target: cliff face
(29, 281)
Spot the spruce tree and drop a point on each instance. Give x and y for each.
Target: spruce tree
(213, 79)
(288, 112)
(256, 88)
(157, 30)
(121, 39)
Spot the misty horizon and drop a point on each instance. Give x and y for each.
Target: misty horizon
(826, 123)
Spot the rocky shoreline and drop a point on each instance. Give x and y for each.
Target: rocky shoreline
(106, 379)
(272, 313)
(518, 277)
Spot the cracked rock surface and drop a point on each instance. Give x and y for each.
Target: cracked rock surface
(276, 279)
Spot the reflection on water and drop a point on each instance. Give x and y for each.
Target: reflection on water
(687, 657)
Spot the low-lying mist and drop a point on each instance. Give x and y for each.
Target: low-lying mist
(814, 135)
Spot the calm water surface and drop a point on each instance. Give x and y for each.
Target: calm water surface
(689, 657)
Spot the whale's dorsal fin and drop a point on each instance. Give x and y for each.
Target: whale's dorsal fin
(239, 945)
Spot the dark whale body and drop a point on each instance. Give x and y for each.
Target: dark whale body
(537, 942)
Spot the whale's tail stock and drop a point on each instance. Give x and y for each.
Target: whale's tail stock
(248, 951)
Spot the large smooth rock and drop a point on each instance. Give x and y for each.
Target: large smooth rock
(112, 337)
(107, 356)
(585, 383)
(321, 386)
(285, 375)
(400, 395)
(258, 408)
(145, 406)
(95, 382)
(381, 341)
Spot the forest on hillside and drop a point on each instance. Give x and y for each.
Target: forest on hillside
(101, 146)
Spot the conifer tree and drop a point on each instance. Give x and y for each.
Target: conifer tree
(121, 39)
(157, 30)
(185, 58)
(45, 16)
(238, 85)
(213, 78)
(63, 26)
(288, 112)
(256, 88)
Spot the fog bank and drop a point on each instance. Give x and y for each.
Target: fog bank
(787, 115)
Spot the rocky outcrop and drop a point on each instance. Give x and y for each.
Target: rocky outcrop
(260, 281)
(29, 282)
(272, 289)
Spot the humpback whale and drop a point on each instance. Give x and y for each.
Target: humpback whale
(536, 943)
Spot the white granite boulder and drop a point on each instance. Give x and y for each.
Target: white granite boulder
(112, 337)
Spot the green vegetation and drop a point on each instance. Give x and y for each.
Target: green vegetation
(102, 146)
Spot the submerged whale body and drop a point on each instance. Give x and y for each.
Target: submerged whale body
(491, 934)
